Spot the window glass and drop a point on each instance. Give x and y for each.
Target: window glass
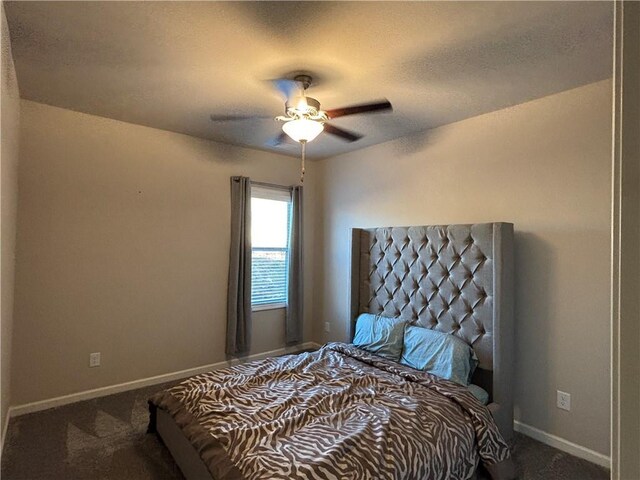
(269, 223)
(270, 213)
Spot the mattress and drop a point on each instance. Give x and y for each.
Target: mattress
(337, 413)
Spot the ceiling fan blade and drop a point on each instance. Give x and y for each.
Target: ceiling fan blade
(362, 108)
(234, 118)
(278, 140)
(287, 88)
(343, 134)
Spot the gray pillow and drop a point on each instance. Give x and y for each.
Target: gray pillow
(441, 354)
(380, 335)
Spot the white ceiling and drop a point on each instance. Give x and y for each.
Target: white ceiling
(170, 65)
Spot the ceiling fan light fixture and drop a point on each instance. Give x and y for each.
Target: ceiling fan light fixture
(302, 129)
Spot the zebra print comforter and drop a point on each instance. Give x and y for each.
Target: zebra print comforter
(338, 413)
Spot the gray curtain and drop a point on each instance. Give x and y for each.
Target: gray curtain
(294, 303)
(239, 293)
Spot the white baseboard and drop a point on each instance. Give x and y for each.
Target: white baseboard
(4, 430)
(562, 444)
(40, 405)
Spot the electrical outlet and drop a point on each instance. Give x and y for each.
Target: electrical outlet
(564, 400)
(94, 359)
(327, 327)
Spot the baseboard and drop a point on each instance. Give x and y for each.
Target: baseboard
(4, 430)
(40, 405)
(562, 444)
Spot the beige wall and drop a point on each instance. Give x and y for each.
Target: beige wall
(10, 122)
(123, 243)
(543, 165)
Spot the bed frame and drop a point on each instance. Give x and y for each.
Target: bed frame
(453, 278)
(456, 279)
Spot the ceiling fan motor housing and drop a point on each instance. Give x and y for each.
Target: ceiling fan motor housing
(312, 106)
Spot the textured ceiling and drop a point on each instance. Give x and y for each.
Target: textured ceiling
(170, 65)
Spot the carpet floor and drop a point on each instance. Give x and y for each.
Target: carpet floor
(106, 438)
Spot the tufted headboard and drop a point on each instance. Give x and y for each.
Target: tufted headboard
(456, 279)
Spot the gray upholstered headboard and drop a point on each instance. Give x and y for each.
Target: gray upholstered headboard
(456, 279)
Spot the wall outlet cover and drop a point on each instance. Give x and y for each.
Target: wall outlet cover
(327, 327)
(564, 400)
(94, 359)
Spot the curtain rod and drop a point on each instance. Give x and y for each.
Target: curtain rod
(271, 185)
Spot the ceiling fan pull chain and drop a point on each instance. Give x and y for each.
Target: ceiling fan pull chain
(303, 143)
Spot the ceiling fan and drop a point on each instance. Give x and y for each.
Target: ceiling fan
(303, 120)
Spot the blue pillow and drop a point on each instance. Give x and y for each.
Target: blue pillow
(441, 354)
(380, 335)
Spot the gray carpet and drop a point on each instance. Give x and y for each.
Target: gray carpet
(106, 439)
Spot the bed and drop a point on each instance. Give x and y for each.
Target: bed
(342, 412)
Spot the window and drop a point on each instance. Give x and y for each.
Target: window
(270, 221)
